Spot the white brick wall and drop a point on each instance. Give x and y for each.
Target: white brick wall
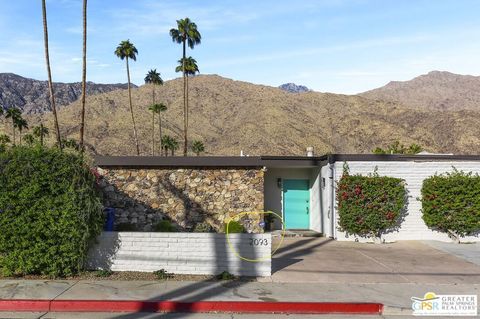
(413, 172)
(181, 253)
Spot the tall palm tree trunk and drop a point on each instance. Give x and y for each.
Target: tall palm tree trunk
(13, 130)
(187, 110)
(84, 75)
(131, 109)
(185, 105)
(160, 131)
(153, 133)
(50, 83)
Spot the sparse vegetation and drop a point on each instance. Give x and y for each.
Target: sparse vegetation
(164, 226)
(225, 275)
(162, 274)
(398, 148)
(234, 227)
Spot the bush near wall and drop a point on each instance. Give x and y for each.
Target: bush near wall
(451, 203)
(50, 211)
(369, 206)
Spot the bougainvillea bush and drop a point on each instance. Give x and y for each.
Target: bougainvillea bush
(50, 211)
(369, 206)
(451, 203)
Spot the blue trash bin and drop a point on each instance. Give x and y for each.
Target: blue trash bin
(110, 212)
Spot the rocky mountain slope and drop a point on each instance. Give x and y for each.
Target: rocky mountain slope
(293, 88)
(433, 91)
(230, 116)
(31, 96)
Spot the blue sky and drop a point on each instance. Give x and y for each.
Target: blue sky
(342, 46)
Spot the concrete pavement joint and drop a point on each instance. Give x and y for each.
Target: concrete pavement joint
(76, 282)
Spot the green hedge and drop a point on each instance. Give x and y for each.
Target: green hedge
(451, 203)
(50, 211)
(369, 206)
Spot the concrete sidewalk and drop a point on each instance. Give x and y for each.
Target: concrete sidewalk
(395, 297)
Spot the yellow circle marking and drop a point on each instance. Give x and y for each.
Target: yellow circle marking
(266, 257)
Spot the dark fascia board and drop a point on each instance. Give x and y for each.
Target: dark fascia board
(177, 161)
(263, 161)
(207, 161)
(399, 158)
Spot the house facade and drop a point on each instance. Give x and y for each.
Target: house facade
(192, 190)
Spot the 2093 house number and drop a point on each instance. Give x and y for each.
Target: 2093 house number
(258, 242)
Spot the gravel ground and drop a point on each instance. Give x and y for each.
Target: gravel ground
(126, 275)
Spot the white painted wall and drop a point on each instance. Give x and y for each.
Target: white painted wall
(413, 172)
(315, 200)
(274, 195)
(181, 253)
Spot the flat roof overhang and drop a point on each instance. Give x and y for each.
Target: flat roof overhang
(262, 161)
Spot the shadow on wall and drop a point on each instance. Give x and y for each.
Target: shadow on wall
(102, 256)
(145, 197)
(143, 214)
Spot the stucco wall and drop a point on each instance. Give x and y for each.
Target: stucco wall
(182, 253)
(413, 172)
(185, 196)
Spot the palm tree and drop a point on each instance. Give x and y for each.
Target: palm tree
(153, 77)
(173, 146)
(160, 109)
(153, 108)
(40, 131)
(84, 74)
(166, 143)
(198, 147)
(191, 68)
(21, 124)
(50, 83)
(126, 50)
(14, 114)
(29, 139)
(186, 33)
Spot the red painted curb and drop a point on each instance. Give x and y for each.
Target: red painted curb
(24, 305)
(200, 306)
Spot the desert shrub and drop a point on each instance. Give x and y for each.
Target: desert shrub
(370, 205)
(103, 273)
(203, 227)
(50, 211)
(126, 227)
(451, 203)
(225, 275)
(164, 226)
(162, 274)
(234, 227)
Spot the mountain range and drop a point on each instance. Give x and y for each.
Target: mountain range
(294, 88)
(232, 116)
(31, 96)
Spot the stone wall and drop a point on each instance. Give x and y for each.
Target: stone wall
(184, 196)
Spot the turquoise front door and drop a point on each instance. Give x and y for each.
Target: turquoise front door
(296, 203)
